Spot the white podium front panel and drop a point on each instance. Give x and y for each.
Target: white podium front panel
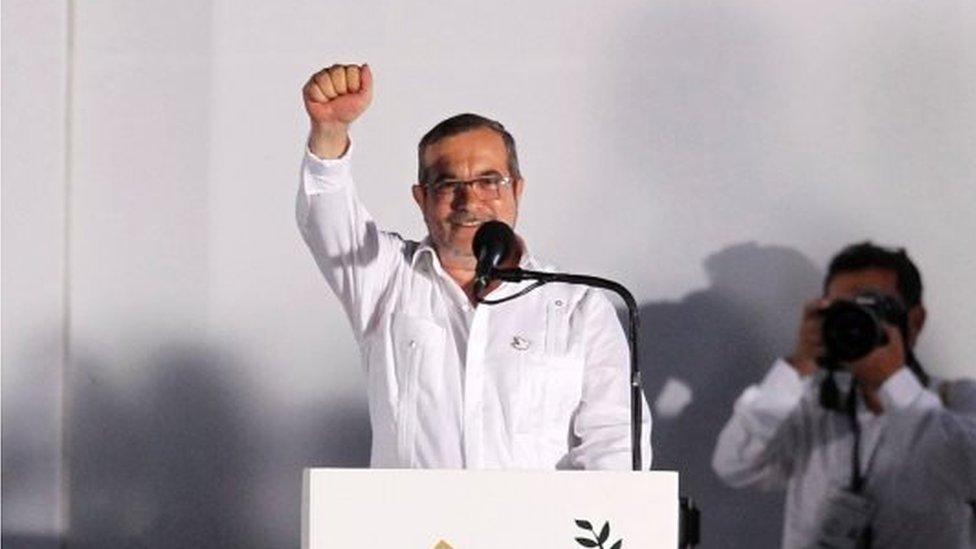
(424, 509)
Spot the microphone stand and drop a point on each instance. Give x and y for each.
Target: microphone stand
(519, 275)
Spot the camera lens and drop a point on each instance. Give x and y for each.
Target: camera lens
(850, 331)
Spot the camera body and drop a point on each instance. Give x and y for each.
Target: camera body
(852, 328)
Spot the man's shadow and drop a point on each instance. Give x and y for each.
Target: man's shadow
(699, 354)
(190, 457)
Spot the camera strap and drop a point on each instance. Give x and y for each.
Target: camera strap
(858, 479)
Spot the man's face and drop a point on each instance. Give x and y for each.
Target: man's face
(848, 285)
(452, 220)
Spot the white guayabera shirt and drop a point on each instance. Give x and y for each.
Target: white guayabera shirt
(539, 382)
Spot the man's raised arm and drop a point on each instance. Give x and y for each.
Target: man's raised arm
(355, 257)
(757, 443)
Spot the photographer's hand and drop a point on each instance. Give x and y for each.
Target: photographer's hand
(809, 339)
(882, 363)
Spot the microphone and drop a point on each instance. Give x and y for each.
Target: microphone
(493, 243)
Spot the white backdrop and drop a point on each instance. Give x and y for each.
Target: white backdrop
(709, 156)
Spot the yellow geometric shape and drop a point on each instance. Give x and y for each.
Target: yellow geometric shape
(443, 545)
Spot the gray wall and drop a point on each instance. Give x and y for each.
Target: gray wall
(34, 91)
(171, 357)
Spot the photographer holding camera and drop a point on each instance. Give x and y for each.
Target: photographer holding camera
(873, 452)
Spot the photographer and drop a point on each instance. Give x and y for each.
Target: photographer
(871, 450)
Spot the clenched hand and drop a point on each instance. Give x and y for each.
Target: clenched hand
(335, 97)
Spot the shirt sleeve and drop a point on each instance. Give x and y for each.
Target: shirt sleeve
(902, 391)
(947, 440)
(602, 424)
(959, 396)
(961, 431)
(752, 448)
(356, 258)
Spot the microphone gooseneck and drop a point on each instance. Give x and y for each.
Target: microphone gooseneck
(492, 244)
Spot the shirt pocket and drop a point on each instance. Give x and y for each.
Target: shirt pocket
(551, 389)
(418, 343)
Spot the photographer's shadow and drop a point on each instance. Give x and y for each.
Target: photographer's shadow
(699, 354)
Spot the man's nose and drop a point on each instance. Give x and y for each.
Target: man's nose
(463, 195)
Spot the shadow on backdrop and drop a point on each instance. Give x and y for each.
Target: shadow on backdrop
(699, 354)
(192, 458)
(31, 457)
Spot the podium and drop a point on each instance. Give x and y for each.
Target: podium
(467, 509)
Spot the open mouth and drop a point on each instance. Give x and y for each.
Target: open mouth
(469, 224)
(467, 221)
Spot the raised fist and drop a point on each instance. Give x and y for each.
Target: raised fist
(336, 96)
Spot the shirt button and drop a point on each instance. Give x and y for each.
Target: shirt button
(559, 303)
(412, 344)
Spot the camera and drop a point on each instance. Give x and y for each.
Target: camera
(853, 328)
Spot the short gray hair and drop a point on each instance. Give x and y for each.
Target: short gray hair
(459, 124)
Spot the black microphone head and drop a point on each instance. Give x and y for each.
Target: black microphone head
(493, 243)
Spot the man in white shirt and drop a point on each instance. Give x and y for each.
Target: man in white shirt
(891, 464)
(539, 382)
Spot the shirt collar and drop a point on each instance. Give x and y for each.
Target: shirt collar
(427, 254)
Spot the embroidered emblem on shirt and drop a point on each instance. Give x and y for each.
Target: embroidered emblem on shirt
(519, 343)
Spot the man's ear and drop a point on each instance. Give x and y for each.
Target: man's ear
(517, 187)
(916, 320)
(419, 195)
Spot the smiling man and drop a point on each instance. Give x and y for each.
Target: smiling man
(539, 382)
(468, 174)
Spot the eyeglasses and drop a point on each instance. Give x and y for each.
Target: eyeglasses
(486, 187)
